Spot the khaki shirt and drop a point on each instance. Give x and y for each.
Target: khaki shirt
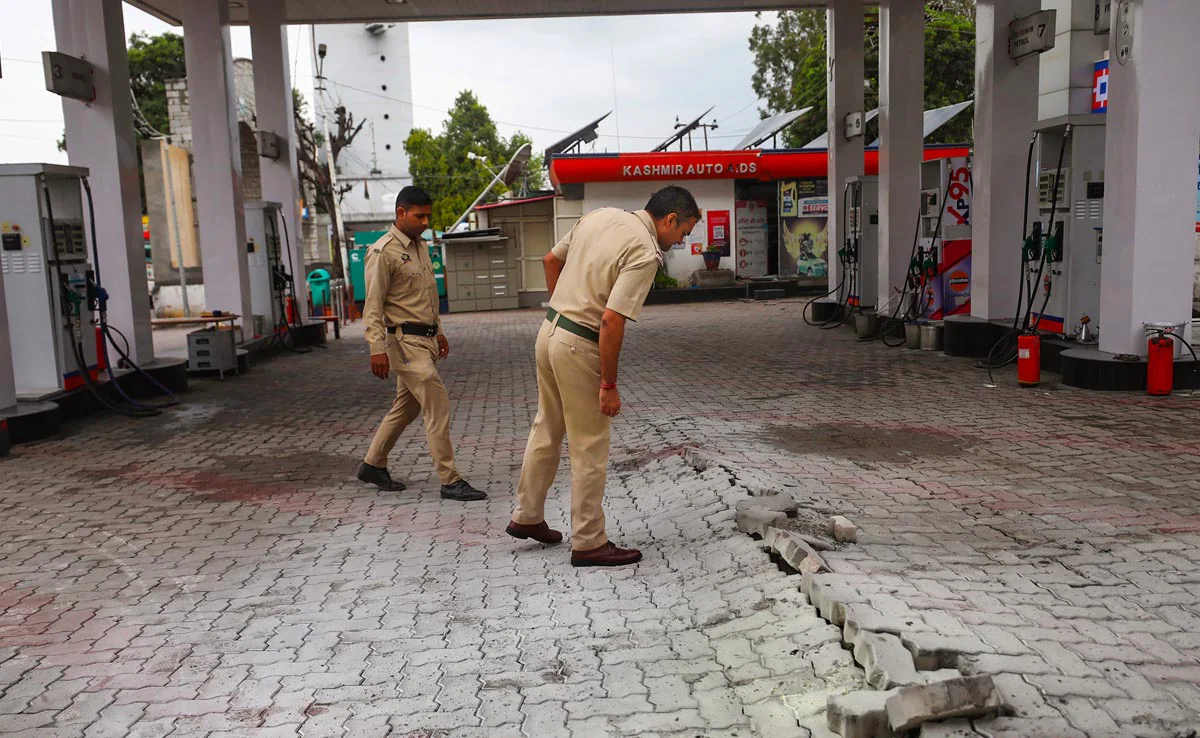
(611, 258)
(401, 287)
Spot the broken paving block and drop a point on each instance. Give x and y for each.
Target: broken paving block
(933, 651)
(795, 552)
(756, 521)
(861, 714)
(776, 503)
(842, 529)
(972, 696)
(887, 662)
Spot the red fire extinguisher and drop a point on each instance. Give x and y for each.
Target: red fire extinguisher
(1160, 365)
(1029, 360)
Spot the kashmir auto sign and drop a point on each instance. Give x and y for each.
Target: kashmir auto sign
(698, 170)
(692, 165)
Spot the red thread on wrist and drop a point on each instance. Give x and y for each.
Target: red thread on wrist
(606, 386)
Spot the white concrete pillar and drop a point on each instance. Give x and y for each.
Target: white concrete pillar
(1150, 174)
(217, 154)
(1006, 95)
(901, 145)
(846, 31)
(100, 136)
(274, 108)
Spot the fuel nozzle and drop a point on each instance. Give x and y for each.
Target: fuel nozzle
(1054, 243)
(929, 266)
(1032, 250)
(914, 268)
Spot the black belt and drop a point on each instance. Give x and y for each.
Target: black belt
(415, 329)
(571, 326)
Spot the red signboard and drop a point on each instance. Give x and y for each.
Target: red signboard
(684, 165)
(718, 230)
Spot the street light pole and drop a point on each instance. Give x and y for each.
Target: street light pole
(338, 226)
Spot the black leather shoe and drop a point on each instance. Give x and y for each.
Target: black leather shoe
(539, 532)
(462, 492)
(606, 555)
(379, 476)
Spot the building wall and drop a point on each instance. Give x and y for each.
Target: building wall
(178, 117)
(251, 170)
(378, 66)
(716, 194)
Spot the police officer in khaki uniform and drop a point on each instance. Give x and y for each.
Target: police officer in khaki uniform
(405, 335)
(598, 277)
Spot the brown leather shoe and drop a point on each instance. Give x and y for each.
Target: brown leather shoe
(606, 555)
(539, 532)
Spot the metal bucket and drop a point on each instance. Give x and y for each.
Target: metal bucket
(866, 325)
(931, 337)
(912, 335)
(1174, 330)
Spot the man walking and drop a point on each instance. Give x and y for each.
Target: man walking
(405, 335)
(598, 277)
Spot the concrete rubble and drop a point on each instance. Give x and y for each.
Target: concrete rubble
(972, 696)
(842, 530)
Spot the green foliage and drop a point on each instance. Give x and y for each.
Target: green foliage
(790, 67)
(439, 163)
(662, 281)
(152, 61)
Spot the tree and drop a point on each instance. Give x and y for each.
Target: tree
(790, 66)
(440, 165)
(152, 61)
(314, 165)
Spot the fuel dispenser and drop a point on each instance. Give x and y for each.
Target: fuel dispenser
(8, 388)
(861, 248)
(1069, 224)
(48, 284)
(263, 256)
(940, 271)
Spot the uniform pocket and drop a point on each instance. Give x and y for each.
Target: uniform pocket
(576, 345)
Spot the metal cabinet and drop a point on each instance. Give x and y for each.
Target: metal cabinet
(481, 274)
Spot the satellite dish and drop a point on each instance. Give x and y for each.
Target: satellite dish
(512, 170)
(517, 164)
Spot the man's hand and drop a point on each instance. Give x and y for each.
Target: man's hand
(443, 346)
(380, 365)
(610, 402)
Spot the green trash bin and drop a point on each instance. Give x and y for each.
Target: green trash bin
(318, 287)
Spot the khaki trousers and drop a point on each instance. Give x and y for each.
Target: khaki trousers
(568, 377)
(419, 391)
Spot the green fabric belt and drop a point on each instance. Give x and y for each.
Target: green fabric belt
(571, 326)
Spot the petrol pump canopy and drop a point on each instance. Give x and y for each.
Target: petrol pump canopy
(760, 165)
(384, 11)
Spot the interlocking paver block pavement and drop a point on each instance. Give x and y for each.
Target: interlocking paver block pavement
(217, 571)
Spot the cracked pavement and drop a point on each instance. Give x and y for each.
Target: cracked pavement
(217, 571)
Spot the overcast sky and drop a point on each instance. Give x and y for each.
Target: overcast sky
(547, 76)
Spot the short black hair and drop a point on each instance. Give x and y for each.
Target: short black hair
(412, 197)
(673, 199)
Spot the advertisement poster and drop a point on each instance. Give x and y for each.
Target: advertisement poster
(751, 233)
(718, 230)
(788, 197)
(804, 239)
(950, 292)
